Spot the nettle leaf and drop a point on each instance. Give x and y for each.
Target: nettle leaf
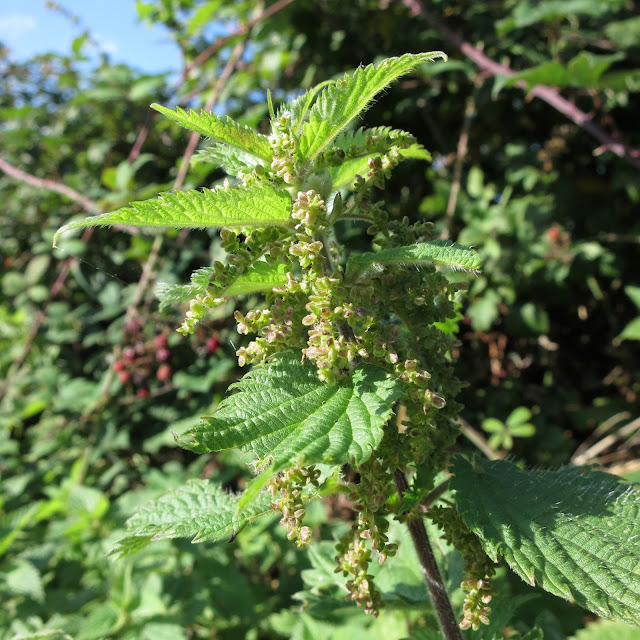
(199, 510)
(285, 415)
(354, 144)
(346, 98)
(232, 161)
(606, 630)
(574, 532)
(222, 128)
(262, 276)
(258, 205)
(301, 105)
(440, 252)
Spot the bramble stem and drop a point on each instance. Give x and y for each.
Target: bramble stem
(430, 571)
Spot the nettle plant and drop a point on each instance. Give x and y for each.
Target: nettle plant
(353, 389)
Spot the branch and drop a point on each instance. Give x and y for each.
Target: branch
(547, 94)
(211, 100)
(240, 31)
(430, 571)
(476, 438)
(50, 185)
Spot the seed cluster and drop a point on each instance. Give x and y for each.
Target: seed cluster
(289, 486)
(389, 319)
(478, 567)
(368, 534)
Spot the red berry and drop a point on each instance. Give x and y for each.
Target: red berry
(164, 373)
(124, 376)
(132, 326)
(119, 365)
(129, 354)
(160, 341)
(162, 355)
(142, 393)
(213, 344)
(553, 234)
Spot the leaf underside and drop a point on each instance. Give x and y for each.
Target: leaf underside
(262, 276)
(284, 414)
(356, 163)
(574, 532)
(435, 252)
(346, 98)
(256, 206)
(199, 510)
(221, 128)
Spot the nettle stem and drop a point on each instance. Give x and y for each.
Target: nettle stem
(431, 572)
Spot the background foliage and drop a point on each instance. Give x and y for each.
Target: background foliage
(549, 345)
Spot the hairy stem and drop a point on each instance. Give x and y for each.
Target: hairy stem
(430, 571)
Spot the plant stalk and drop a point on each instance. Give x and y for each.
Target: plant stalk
(432, 576)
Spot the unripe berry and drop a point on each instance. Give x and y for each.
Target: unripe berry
(160, 341)
(132, 326)
(124, 376)
(164, 373)
(119, 365)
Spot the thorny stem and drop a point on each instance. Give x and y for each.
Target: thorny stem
(547, 94)
(430, 571)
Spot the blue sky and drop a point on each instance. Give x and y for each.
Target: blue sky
(28, 27)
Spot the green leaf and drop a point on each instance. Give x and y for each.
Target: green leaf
(527, 13)
(628, 80)
(518, 416)
(634, 294)
(221, 128)
(43, 634)
(631, 331)
(345, 99)
(493, 425)
(607, 630)
(21, 577)
(358, 152)
(198, 510)
(584, 71)
(624, 33)
(262, 276)
(573, 532)
(256, 206)
(232, 161)
(440, 252)
(300, 106)
(283, 413)
(100, 623)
